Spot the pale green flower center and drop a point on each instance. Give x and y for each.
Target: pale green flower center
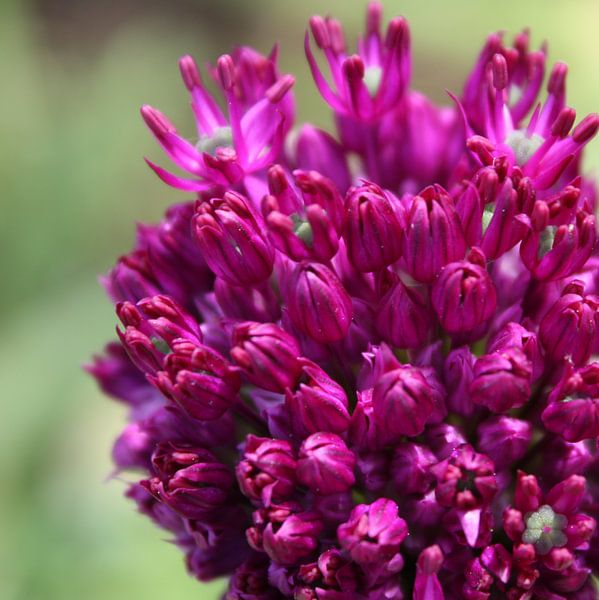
(160, 345)
(544, 529)
(303, 230)
(222, 137)
(372, 79)
(524, 146)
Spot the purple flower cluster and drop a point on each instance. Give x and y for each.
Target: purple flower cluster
(360, 367)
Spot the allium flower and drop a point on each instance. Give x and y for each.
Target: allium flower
(376, 383)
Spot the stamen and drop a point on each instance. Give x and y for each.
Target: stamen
(372, 79)
(222, 137)
(523, 146)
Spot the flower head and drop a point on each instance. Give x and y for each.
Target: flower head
(368, 383)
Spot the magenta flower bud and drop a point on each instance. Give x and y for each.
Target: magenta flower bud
(268, 470)
(504, 439)
(553, 252)
(433, 235)
(131, 279)
(515, 335)
(458, 372)
(250, 581)
(427, 585)
(160, 316)
(318, 190)
(267, 355)
(501, 380)
(318, 403)
(403, 318)
(232, 240)
(326, 465)
(502, 227)
(258, 303)
(190, 480)
(331, 577)
(152, 326)
(575, 419)
(573, 409)
(317, 302)
(133, 448)
(295, 538)
(465, 480)
(402, 402)
(199, 380)
(373, 533)
(570, 325)
(464, 296)
(374, 227)
(410, 469)
(443, 439)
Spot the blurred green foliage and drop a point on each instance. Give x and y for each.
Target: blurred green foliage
(73, 184)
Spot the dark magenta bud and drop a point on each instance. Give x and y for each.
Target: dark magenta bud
(294, 539)
(317, 302)
(501, 380)
(402, 402)
(515, 335)
(403, 318)
(152, 326)
(374, 227)
(133, 448)
(326, 465)
(258, 303)
(553, 252)
(570, 325)
(410, 468)
(373, 533)
(199, 380)
(250, 581)
(131, 279)
(316, 189)
(504, 439)
(318, 403)
(267, 355)
(232, 240)
(190, 480)
(573, 409)
(433, 235)
(267, 471)
(464, 296)
(443, 439)
(458, 372)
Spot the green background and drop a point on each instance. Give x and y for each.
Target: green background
(72, 180)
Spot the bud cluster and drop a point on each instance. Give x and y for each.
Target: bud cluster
(373, 382)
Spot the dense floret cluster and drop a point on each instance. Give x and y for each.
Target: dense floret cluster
(360, 367)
